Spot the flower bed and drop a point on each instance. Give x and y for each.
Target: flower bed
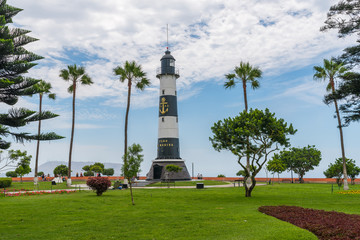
(350, 192)
(329, 225)
(32, 193)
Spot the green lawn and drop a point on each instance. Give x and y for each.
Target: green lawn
(29, 186)
(188, 183)
(212, 213)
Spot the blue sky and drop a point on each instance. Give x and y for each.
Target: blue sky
(208, 39)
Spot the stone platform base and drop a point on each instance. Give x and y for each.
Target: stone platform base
(158, 172)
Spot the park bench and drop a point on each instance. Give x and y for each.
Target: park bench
(239, 181)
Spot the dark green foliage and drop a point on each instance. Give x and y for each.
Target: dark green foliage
(99, 184)
(40, 173)
(12, 174)
(15, 61)
(275, 165)
(221, 176)
(86, 168)
(173, 168)
(23, 166)
(88, 174)
(61, 170)
(335, 170)
(326, 225)
(5, 182)
(344, 16)
(300, 160)
(108, 171)
(349, 90)
(97, 167)
(261, 129)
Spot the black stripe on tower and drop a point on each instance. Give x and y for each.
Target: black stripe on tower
(168, 148)
(168, 106)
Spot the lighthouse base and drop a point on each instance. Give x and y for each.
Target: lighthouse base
(158, 171)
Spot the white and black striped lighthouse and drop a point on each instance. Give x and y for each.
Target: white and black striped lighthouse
(168, 148)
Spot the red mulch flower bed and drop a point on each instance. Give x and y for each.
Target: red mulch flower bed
(324, 224)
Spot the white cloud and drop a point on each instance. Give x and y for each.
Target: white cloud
(207, 38)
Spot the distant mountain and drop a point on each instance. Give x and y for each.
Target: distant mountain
(76, 167)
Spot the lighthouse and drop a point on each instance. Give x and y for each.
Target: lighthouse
(168, 148)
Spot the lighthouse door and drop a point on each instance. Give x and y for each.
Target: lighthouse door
(157, 171)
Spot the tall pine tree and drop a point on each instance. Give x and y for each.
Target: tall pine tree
(15, 61)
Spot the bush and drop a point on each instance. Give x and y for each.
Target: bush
(5, 182)
(221, 175)
(11, 174)
(99, 184)
(108, 171)
(40, 174)
(324, 224)
(88, 174)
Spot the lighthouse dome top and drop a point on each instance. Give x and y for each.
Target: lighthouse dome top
(167, 55)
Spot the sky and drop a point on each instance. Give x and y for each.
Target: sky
(208, 38)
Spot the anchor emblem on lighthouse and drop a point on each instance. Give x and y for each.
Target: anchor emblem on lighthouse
(164, 107)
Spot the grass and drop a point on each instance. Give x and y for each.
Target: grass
(212, 213)
(29, 186)
(188, 183)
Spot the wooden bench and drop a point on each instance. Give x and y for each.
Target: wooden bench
(239, 181)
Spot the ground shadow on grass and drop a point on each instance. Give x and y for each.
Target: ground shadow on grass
(326, 225)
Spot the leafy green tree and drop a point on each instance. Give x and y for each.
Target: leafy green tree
(276, 165)
(301, 160)
(131, 166)
(244, 74)
(264, 132)
(42, 88)
(15, 61)
(335, 170)
(61, 170)
(40, 173)
(76, 75)
(96, 169)
(12, 174)
(23, 166)
(331, 71)
(133, 74)
(86, 168)
(108, 172)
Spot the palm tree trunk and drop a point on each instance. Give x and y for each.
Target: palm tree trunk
(72, 131)
(248, 180)
(346, 186)
(38, 141)
(126, 119)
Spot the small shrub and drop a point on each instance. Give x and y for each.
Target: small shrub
(326, 225)
(11, 174)
(5, 182)
(221, 175)
(88, 174)
(99, 184)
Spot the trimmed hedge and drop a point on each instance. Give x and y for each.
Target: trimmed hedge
(326, 225)
(5, 182)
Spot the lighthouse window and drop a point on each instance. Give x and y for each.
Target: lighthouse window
(175, 93)
(163, 91)
(162, 119)
(172, 63)
(176, 119)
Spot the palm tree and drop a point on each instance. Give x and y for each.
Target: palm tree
(75, 75)
(43, 88)
(244, 73)
(133, 74)
(330, 71)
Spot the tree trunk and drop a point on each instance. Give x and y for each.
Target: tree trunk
(38, 141)
(72, 132)
(248, 190)
(126, 119)
(279, 178)
(131, 193)
(346, 186)
(245, 95)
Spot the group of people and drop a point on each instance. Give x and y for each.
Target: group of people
(44, 177)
